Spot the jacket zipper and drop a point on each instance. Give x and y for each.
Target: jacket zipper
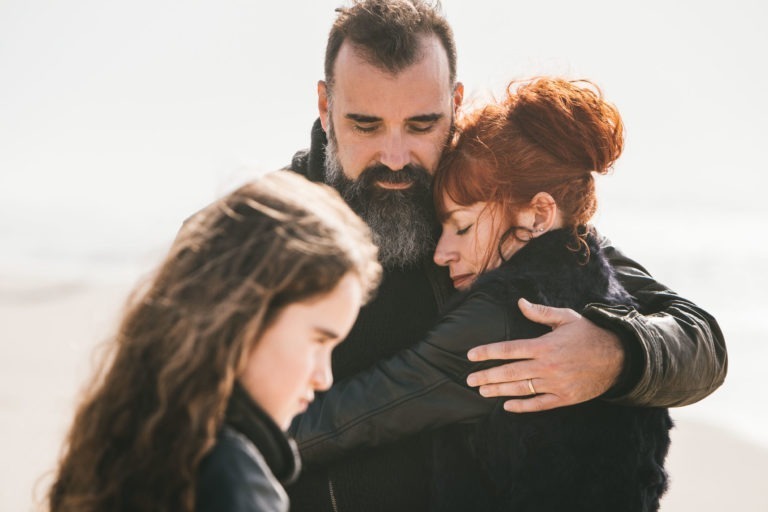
(332, 496)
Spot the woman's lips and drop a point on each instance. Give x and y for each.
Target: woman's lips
(462, 280)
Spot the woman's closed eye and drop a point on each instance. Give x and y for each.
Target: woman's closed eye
(463, 231)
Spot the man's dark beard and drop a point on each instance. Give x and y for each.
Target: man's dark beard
(402, 221)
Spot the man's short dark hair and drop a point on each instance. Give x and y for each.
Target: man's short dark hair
(388, 33)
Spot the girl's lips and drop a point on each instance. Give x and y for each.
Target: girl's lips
(303, 404)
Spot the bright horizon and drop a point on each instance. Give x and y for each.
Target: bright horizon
(117, 120)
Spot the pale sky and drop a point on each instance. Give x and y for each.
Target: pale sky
(136, 113)
(119, 119)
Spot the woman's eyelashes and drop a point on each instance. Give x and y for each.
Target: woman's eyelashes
(463, 231)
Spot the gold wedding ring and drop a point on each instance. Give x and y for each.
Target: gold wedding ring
(530, 386)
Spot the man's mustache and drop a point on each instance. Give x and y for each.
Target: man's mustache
(409, 174)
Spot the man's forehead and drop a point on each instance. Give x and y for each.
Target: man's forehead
(422, 88)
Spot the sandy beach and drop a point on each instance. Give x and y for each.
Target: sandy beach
(49, 332)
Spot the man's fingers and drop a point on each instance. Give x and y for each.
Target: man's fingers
(502, 374)
(516, 388)
(511, 349)
(533, 404)
(546, 315)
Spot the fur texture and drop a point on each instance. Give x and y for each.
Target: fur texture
(593, 456)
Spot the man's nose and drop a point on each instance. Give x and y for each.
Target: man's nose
(395, 153)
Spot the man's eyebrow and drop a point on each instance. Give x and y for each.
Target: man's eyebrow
(362, 118)
(422, 118)
(426, 118)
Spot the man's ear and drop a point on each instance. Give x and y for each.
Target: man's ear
(322, 103)
(545, 213)
(458, 96)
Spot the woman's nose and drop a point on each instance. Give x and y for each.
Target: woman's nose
(444, 253)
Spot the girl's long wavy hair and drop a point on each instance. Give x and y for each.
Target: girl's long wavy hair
(155, 406)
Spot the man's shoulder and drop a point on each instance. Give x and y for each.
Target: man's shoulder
(310, 162)
(300, 162)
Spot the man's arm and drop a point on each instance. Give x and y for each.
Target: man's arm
(670, 353)
(677, 351)
(420, 388)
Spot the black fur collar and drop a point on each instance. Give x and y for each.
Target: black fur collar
(548, 272)
(279, 451)
(316, 155)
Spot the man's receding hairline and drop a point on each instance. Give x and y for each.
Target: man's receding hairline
(368, 57)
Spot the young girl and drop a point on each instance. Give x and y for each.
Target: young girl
(214, 357)
(514, 195)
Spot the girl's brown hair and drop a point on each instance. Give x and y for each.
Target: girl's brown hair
(545, 135)
(154, 411)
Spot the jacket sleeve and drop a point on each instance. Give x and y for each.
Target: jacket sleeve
(675, 350)
(418, 389)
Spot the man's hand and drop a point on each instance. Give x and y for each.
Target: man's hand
(574, 363)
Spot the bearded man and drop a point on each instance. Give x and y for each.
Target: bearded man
(386, 111)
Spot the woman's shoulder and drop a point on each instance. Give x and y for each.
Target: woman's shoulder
(234, 476)
(485, 313)
(551, 271)
(494, 286)
(499, 286)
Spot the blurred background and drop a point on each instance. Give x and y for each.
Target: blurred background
(119, 119)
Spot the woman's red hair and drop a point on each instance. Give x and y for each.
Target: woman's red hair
(545, 135)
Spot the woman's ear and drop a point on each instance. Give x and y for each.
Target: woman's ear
(546, 214)
(458, 97)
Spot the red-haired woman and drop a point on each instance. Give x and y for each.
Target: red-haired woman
(514, 195)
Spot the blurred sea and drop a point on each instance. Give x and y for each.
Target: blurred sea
(697, 253)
